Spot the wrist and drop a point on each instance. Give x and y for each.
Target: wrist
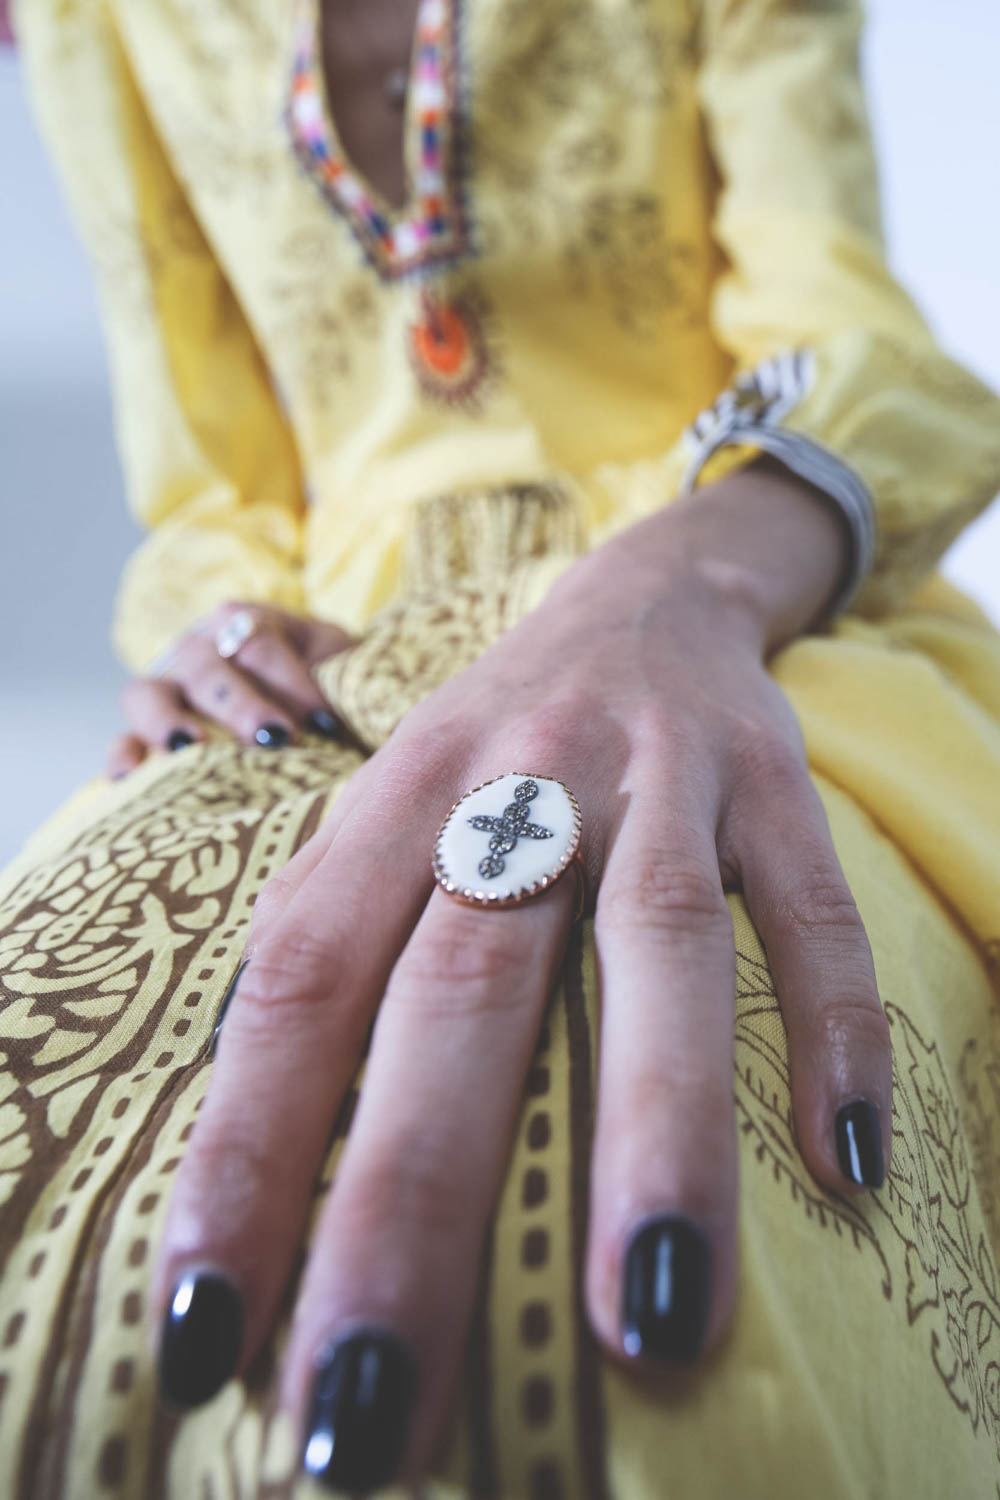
(768, 542)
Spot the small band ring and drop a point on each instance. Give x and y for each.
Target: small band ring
(235, 632)
(533, 828)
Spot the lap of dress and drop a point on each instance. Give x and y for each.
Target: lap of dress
(865, 1355)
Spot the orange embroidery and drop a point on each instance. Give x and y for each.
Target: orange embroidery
(441, 340)
(448, 347)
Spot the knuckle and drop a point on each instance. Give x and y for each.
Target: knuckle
(420, 761)
(427, 766)
(667, 894)
(241, 1174)
(548, 745)
(766, 760)
(415, 1186)
(822, 905)
(270, 899)
(853, 1023)
(658, 733)
(296, 972)
(454, 970)
(263, 652)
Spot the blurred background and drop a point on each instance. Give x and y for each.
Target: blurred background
(64, 529)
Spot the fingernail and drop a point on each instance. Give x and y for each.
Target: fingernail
(859, 1143)
(667, 1286)
(274, 736)
(221, 1016)
(360, 1414)
(200, 1340)
(321, 721)
(178, 738)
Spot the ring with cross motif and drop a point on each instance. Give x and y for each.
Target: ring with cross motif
(509, 839)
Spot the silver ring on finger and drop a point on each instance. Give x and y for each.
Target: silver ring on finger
(508, 840)
(235, 632)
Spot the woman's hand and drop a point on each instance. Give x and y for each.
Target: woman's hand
(264, 693)
(641, 684)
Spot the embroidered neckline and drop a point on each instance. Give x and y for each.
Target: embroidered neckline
(431, 228)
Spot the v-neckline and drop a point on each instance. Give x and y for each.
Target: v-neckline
(430, 227)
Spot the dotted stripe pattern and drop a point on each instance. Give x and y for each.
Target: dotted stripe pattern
(539, 1400)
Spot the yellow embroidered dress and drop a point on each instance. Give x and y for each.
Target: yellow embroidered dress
(641, 243)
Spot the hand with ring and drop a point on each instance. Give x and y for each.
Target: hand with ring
(247, 667)
(631, 716)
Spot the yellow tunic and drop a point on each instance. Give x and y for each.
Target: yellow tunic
(410, 422)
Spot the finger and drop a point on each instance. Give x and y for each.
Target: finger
(289, 1049)
(159, 714)
(662, 1248)
(278, 669)
(125, 753)
(314, 640)
(393, 1274)
(839, 1049)
(222, 691)
(318, 640)
(274, 899)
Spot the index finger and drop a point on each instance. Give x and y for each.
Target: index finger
(288, 1049)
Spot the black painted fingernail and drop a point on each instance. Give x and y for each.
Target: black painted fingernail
(274, 736)
(859, 1143)
(360, 1414)
(200, 1340)
(221, 1015)
(178, 738)
(667, 1290)
(320, 721)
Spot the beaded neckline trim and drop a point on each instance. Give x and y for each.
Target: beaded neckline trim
(431, 229)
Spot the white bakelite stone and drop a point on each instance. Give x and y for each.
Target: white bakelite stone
(531, 864)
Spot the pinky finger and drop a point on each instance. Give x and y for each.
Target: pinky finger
(126, 752)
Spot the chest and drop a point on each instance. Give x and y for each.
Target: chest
(365, 52)
(549, 143)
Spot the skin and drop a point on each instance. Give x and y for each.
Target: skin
(641, 682)
(271, 683)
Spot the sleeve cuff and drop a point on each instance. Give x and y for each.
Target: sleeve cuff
(750, 414)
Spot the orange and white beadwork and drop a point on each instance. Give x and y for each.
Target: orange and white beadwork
(508, 839)
(431, 229)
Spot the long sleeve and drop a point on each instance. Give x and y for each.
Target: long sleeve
(837, 373)
(209, 462)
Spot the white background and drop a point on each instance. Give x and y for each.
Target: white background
(64, 532)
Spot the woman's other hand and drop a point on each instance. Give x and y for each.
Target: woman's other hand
(641, 684)
(264, 693)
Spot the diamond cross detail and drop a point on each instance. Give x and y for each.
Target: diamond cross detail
(511, 825)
